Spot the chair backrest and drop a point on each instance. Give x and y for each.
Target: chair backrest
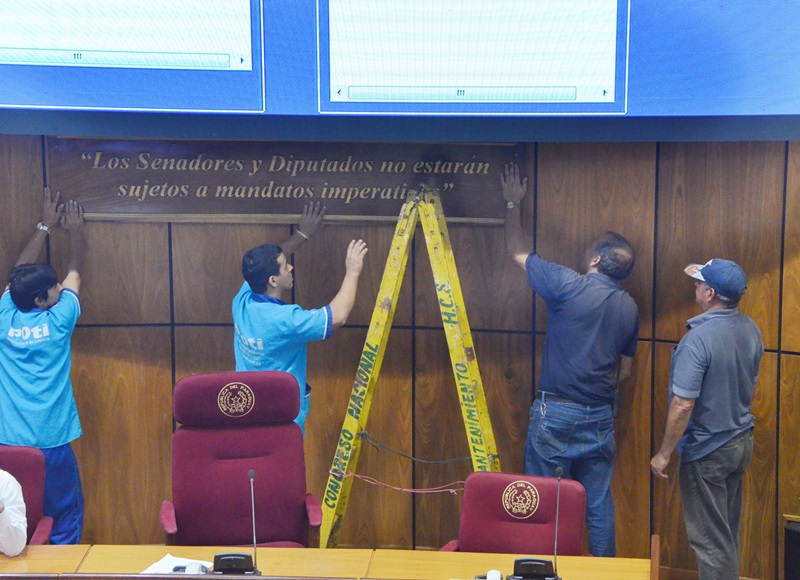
(26, 464)
(231, 423)
(515, 514)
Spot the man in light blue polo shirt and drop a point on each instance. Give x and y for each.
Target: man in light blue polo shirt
(269, 333)
(37, 406)
(714, 371)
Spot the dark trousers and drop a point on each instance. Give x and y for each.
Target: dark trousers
(711, 493)
(63, 496)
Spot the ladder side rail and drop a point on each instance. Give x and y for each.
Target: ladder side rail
(338, 487)
(477, 425)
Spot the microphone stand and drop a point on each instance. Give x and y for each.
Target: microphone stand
(559, 473)
(252, 475)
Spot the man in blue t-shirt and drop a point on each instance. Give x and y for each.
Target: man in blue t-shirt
(37, 318)
(592, 330)
(713, 375)
(269, 333)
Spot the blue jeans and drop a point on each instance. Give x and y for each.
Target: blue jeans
(580, 440)
(711, 494)
(63, 496)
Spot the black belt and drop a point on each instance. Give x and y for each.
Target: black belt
(551, 398)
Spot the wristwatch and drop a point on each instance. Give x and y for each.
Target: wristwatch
(44, 228)
(511, 205)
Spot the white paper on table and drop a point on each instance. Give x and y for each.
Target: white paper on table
(168, 562)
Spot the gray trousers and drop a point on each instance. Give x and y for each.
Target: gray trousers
(711, 493)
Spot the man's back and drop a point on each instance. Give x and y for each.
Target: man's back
(35, 366)
(592, 320)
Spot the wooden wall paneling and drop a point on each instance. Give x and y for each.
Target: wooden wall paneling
(21, 183)
(439, 436)
(720, 200)
(375, 516)
(439, 427)
(320, 268)
(495, 291)
(630, 485)
(585, 189)
(758, 525)
(203, 349)
(122, 383)
(788, 449)
(506, 366)
(125, 277)
(667, 507)
(790, 330)
(207, 266)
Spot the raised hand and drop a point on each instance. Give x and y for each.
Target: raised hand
(512, 186)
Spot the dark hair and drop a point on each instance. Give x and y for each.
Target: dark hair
(259, 264)
(616, 255)
(29, 282)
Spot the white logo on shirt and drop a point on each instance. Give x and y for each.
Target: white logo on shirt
(254, 343)
(25, 333)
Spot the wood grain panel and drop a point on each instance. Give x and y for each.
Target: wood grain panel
(630, 485)
(758, 526)
(376, 516)
(667, 508)
(720, 200)
(207, 267)
(788, 450)
(320, 268)
(757, 534)
(21, 183)
(123, 388)
(790, 330)
(203, 349)
(125, 278)
(438, 437)
(585, 189)
(496, 294)
(505, 365)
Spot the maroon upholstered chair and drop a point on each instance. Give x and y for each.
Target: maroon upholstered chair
(515, 514)
(231, 423)
(26, 464)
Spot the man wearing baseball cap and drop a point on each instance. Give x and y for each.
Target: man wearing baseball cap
(714, 371)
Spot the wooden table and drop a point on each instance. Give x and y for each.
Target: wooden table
(312, 562)
(428, 565)
(44, 560)
(307, 562)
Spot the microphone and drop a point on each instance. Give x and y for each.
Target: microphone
(234, 562)
(559, 474)
(540, 568)
(251, 475)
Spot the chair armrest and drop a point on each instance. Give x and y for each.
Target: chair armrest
(314, 511)
(451, 546)
(167, 517)
(41, 535)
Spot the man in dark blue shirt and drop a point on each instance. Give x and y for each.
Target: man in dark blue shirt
(592, 330)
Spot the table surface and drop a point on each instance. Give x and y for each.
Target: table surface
(308, 562)
(45, 560)
(429, 565)
(313, 562)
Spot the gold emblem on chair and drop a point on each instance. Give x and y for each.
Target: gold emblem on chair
(520, 499)
(236, 399)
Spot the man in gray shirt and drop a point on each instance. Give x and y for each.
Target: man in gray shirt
(714, 371)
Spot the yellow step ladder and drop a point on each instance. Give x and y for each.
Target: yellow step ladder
(427, 207)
